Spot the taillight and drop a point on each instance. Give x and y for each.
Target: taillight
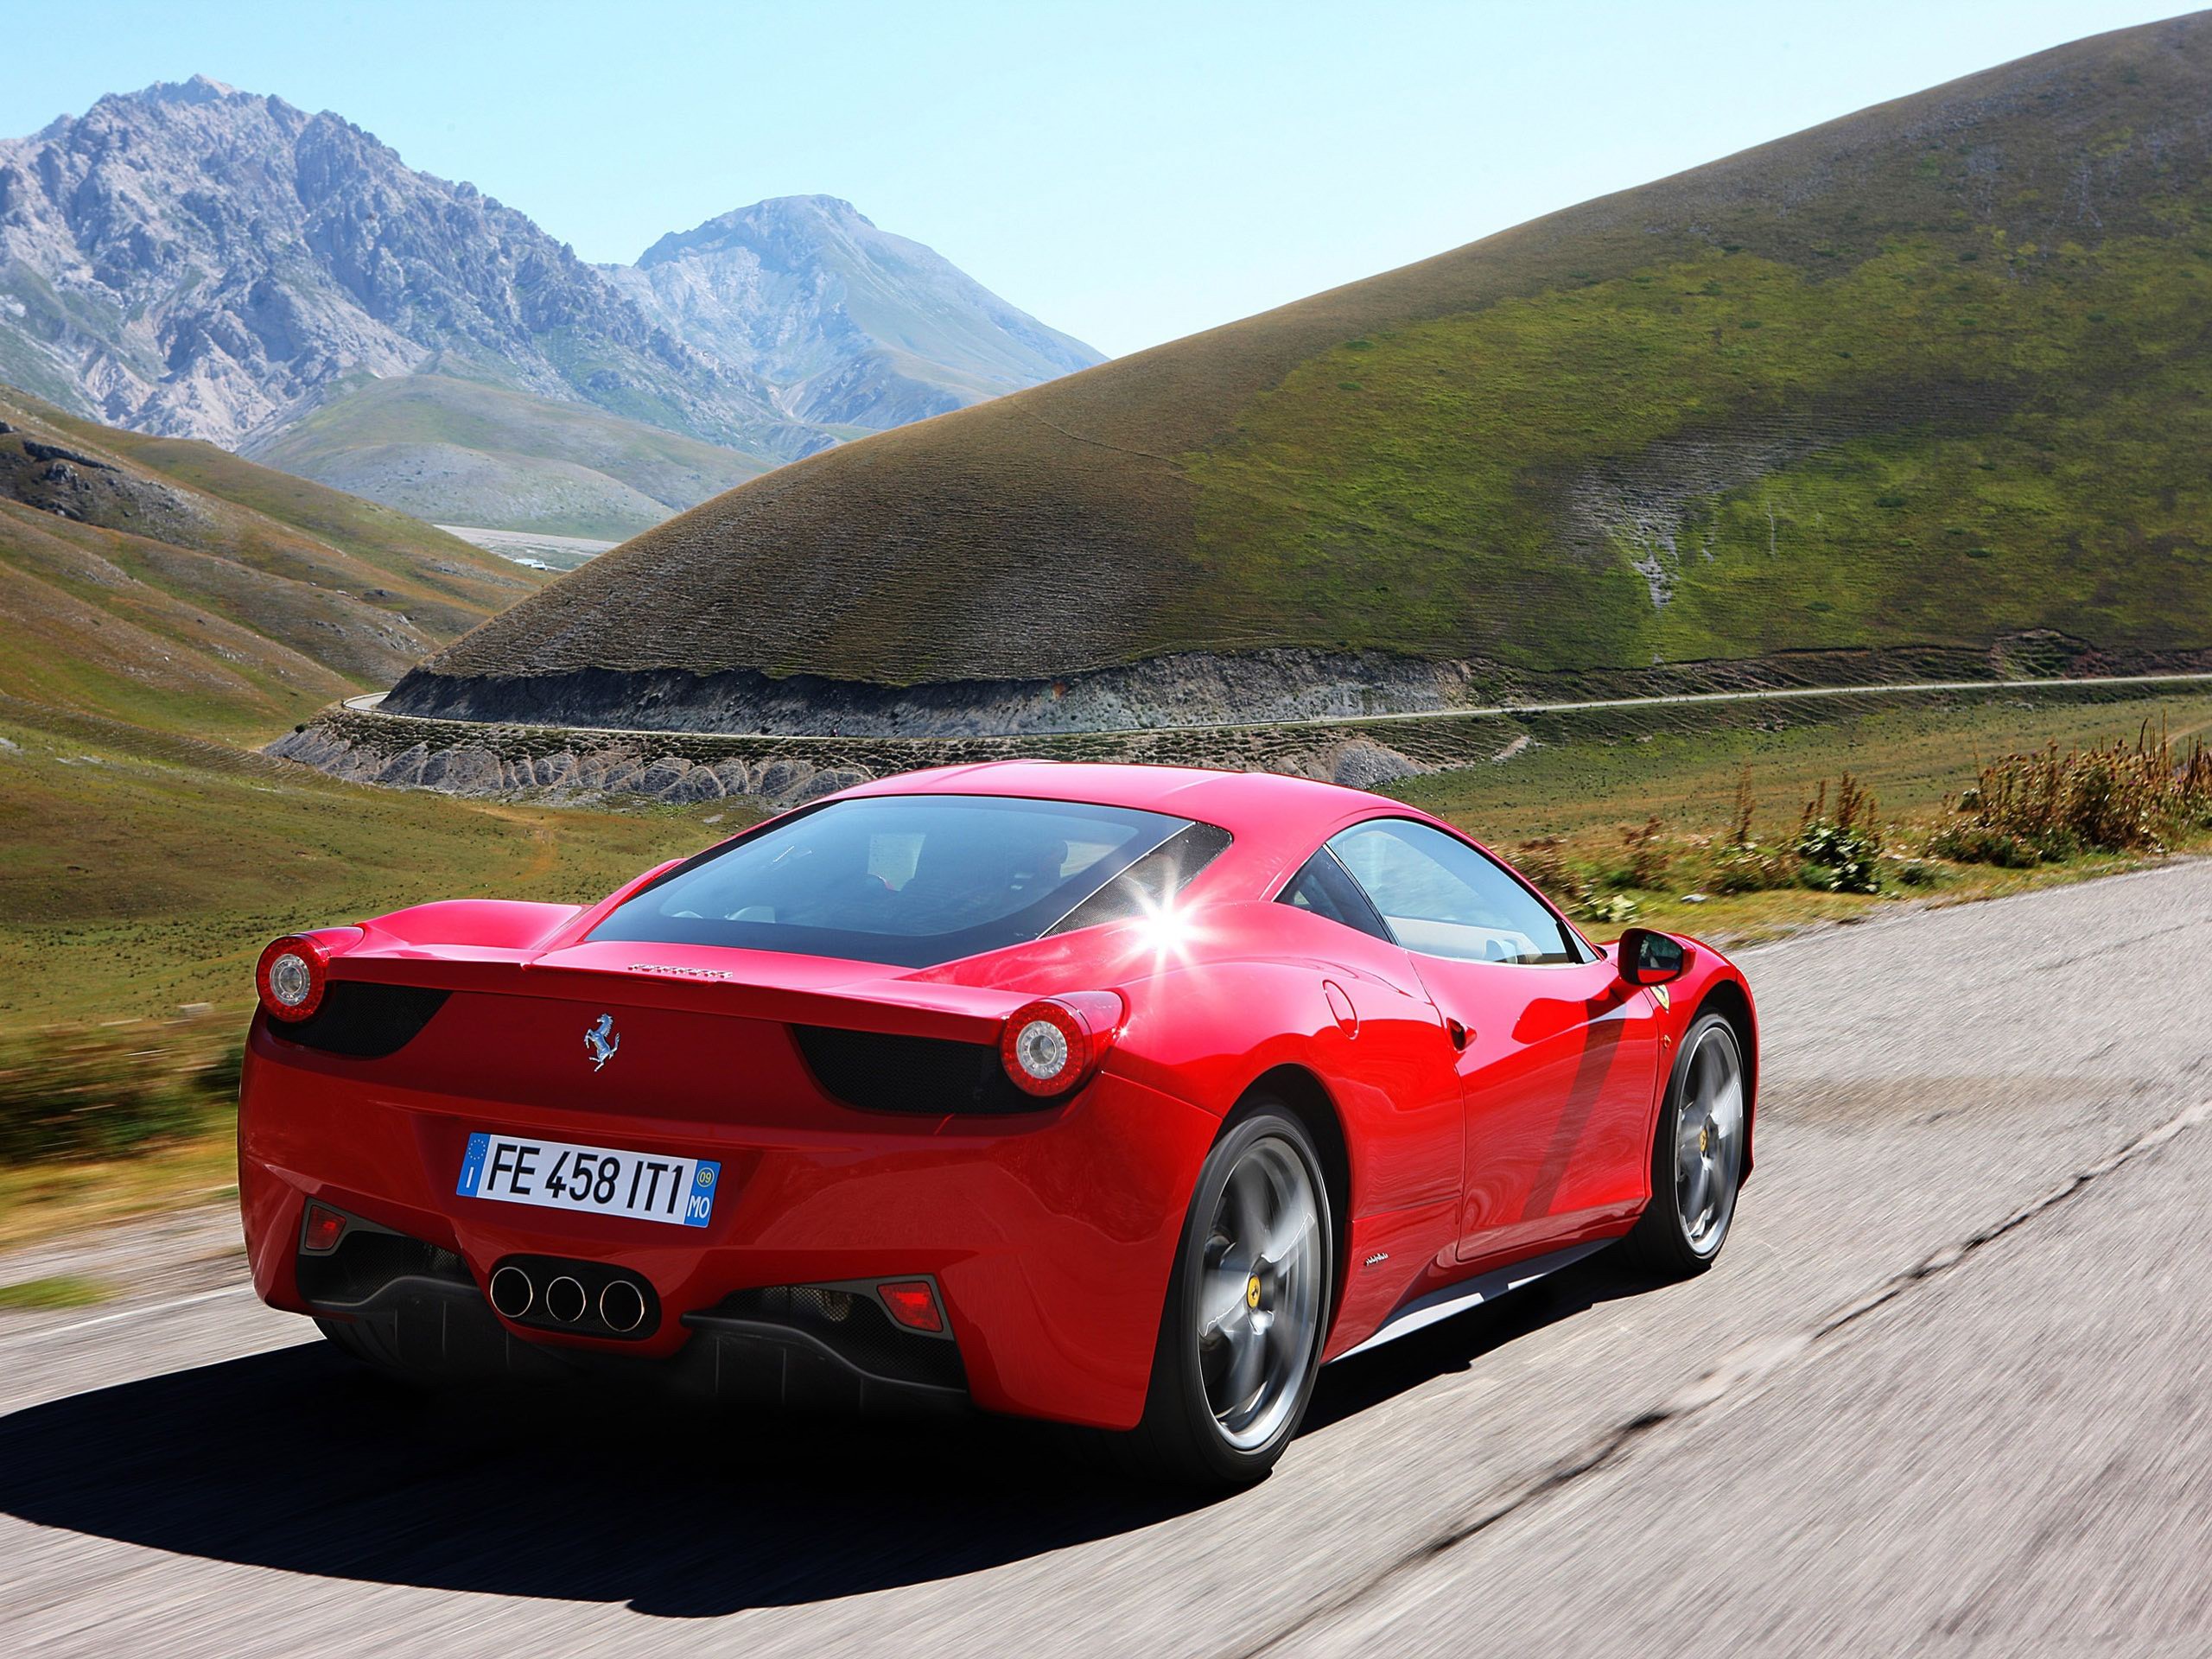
(291, 976)
(1054, 1046)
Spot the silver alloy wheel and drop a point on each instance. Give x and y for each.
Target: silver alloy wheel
(1260, 1297)
(1709, 1140)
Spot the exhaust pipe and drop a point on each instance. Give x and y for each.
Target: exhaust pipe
(621, 1307)
(565, 1300)
(512, 1293)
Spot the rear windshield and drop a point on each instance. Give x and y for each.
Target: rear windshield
(916, 880)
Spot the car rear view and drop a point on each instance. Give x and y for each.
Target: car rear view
(747, 1120)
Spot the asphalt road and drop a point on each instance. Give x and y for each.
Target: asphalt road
(1950, 1389)
(369, 701)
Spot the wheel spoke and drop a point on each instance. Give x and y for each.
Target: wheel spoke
(1702, 1070)
(1689, 1146)
(1223, 1309)
(1248, 1362)
(1248, 1200)
(1294, 1223)
(1693, 1205)
(1728, 1107)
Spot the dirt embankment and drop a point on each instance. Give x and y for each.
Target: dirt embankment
(558, 762)
(1192, 688)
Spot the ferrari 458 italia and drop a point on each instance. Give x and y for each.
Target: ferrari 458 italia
(1126, 1096)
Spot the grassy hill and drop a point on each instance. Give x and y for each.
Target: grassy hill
(166, 607)
(469, 453)
(167, 582)
(1931, 378)
(143, 870)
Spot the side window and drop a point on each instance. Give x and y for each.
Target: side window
(1442, 898)
(1323, 888)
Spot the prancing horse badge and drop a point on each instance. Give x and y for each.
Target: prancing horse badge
(600, 1041)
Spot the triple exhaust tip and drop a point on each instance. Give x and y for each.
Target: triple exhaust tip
(621, 1304)
(512, 1293)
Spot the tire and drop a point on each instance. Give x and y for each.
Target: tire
(1207, 1422)
(1695, 1183)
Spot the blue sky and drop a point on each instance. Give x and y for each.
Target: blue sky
(1127, 172)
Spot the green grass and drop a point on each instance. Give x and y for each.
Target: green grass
(462, 451)
(57, 1290)
(194, 591)
(1989, 461)
(139, 872)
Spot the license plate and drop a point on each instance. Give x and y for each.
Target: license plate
(557, 1175)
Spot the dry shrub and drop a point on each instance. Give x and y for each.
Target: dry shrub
(1543, 860)
(1647, 856)
(1743, 864)
(2027, 808)
(100, 1091)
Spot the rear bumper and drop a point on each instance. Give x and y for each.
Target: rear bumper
(444, 1323)
(1050, 1235)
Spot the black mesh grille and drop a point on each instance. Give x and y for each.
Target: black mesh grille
(880, 1072)
(365, 1263)
(364, 1020)
(853, 1324)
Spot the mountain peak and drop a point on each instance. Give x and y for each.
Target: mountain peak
(802, 216)
(200, 89)
(861, 327)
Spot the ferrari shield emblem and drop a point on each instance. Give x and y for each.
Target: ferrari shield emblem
(1659, 995)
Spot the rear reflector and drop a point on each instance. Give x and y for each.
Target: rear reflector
(912, 1302)
(324, 1228)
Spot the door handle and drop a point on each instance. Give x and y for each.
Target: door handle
(1459, 1034)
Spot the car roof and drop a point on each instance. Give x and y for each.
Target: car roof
(1234, 800)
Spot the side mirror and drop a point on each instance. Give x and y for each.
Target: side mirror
(1649, 958)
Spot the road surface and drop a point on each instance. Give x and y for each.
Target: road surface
(369, 702)
(1949, 1390)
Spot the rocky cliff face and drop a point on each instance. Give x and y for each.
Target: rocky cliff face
(852, 325)
(199, 262)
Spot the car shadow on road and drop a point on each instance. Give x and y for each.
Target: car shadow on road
(300, 1461)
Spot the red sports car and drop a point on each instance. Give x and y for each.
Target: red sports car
(1122, 1096)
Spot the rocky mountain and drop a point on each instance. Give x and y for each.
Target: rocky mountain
(1924, 392)
(201, 263)
(198, 262)
(853, 327)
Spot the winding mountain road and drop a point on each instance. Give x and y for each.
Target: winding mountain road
(369, 702)
(1950, 1389)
